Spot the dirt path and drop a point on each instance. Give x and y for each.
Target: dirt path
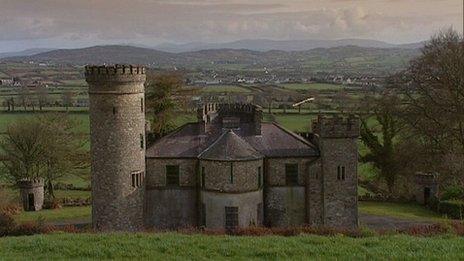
(388, 223)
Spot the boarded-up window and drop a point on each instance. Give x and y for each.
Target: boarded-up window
(291, 174)
(172, 175)
(231, 217)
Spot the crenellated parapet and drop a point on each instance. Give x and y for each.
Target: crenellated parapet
(336, 126)
(31, 183)
(115, 78)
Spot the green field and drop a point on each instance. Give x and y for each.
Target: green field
(172, 246)
(312, 86)
(54, 215)
(224, 88)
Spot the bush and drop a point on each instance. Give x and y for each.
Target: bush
(453, 192)
(426, 230)
(7, 224)
(452, 208)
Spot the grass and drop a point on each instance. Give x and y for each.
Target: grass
(169, 246)
(56, 215)
(223, 88)
(400, 210)
(295, 122)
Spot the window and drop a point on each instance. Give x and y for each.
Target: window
(341, 173)
(260, 178)
(203, 177)
(231, 173)
(260, 214)
(172, 175)
(231, 217)
(137, 179)
(141, 104)
(291, 174)
(142, 142)
(114, 110)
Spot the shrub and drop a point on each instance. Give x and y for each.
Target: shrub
(51, 204)
(453, 192)
(452, 208)
(458, 228)
(7, 224)
(426, 230)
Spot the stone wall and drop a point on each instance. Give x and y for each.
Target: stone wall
(117, 145)
(171, 208)
(275, 170)
(245, 175)
(285, 206)
(247, 203)
(314, 199)
(156, 172)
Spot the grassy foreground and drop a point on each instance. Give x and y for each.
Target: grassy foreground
(180, 247)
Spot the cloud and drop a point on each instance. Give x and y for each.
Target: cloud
(155, 21)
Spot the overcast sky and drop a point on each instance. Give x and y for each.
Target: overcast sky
(77, 23)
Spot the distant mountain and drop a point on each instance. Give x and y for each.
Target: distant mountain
(288, 45)
(25, 52)
(345, 58)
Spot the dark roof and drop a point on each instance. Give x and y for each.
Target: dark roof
(229, 146)
(274, 141)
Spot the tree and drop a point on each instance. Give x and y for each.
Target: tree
(161, 103)
(45, 146)
(67, 99)
(382, 136)
(24, 96)
(42, 96)
(433, 86)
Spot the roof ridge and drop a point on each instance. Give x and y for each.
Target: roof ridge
(176, 130)
(294, 135)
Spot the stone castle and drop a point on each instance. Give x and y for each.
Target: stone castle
(229, 169)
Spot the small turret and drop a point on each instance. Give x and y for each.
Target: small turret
(32, 193)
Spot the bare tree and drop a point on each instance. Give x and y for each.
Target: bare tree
(42, 96)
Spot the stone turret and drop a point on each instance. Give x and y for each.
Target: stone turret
(117, 130)
(337, 140)
(32, 193)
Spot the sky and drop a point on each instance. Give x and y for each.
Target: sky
(77, 23)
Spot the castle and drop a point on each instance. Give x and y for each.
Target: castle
(229, 169)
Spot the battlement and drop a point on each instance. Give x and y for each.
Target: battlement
(31, 183)
(113, 69)
(336, 126)
(238, 108)
(115, 78)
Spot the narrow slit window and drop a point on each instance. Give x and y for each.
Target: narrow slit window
(231, 173)
(203, 180)
(142, 142)
(133, 180)
(114, 110)
(141, 104)
(260, 177)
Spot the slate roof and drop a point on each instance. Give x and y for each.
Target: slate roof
(229, 146)
(274, 141)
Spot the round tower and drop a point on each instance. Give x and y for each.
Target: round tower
(117, 145)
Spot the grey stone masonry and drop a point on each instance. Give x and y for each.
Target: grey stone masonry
(32, 194)
(117, 146)
(339, 158)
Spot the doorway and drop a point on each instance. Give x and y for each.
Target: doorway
(30, 202)
(427, 194)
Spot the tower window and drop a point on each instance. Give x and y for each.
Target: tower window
(291, 174)
(341, 173)
(172, 175)
(114, 110)
(141, 104)
(231, 217)
(142, 142)
(231, 173)
(137, 179)
(260, 177)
